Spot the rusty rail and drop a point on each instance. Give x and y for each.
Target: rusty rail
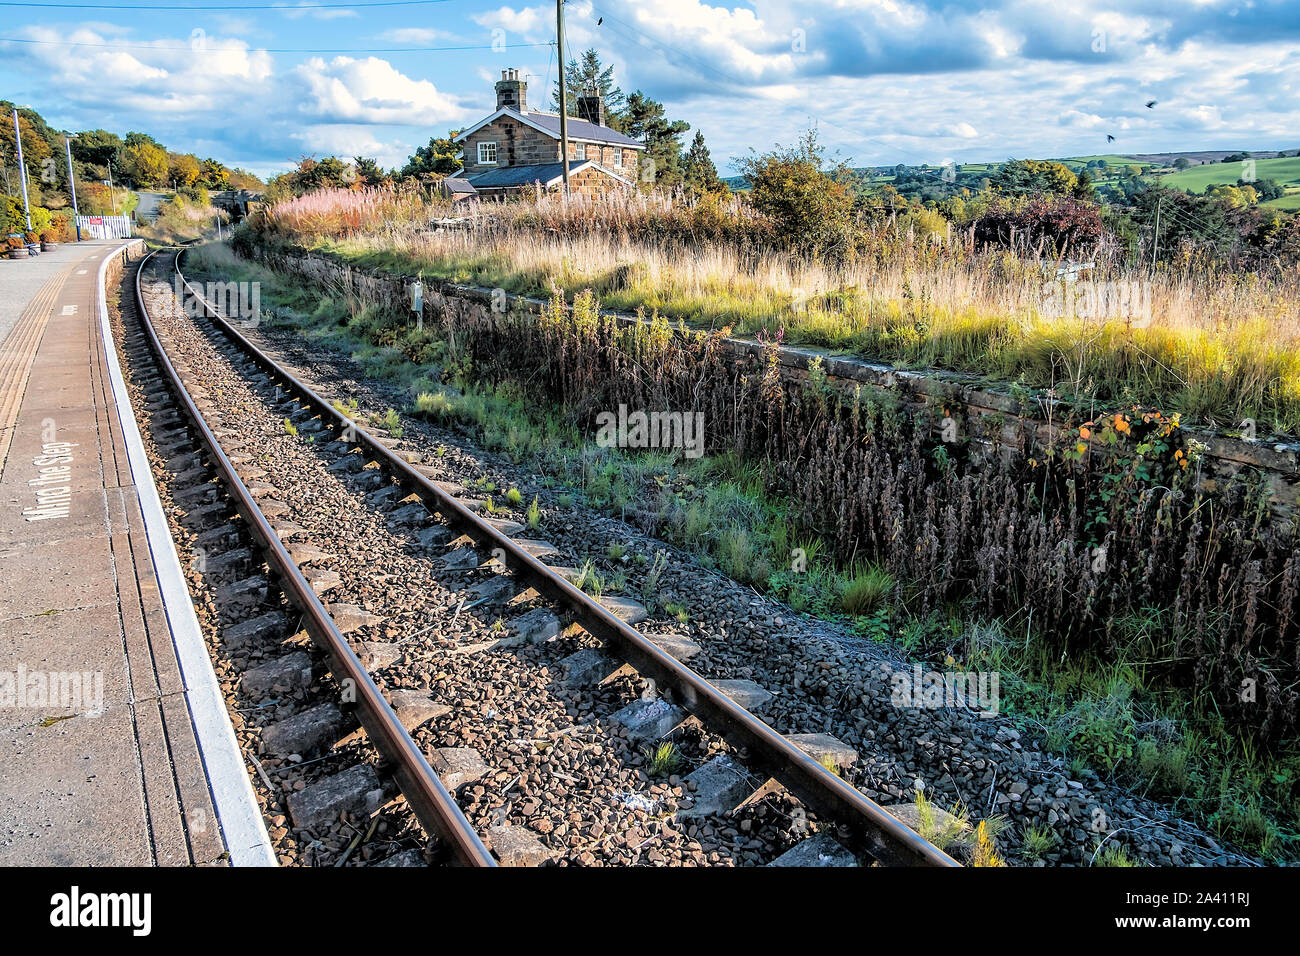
(433, 805)
(866, 826)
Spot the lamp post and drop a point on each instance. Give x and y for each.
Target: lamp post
(22, 174)
(72, 187)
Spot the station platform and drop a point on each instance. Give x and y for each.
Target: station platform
(115, 745)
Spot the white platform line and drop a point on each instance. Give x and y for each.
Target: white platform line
(232, 792)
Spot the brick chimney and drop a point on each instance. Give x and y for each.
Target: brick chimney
(591, 107)
(512, 91)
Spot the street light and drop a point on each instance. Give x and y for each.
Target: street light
(72, 186)
(22, 174)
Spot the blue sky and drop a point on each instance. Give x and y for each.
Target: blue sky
(885, 81)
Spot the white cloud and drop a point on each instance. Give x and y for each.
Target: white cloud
(415, 36)
(527, 20)
(370, 90)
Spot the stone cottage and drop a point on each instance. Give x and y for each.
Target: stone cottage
(516, 149)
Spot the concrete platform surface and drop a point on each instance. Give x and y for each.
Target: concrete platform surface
(110, 751)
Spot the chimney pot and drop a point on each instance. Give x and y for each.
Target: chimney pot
(512, 91)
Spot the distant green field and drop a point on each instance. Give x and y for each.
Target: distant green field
(1286, 170)
(1291, 202)
(1111, 159)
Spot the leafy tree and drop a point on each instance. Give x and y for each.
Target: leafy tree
(145, 163)
(1203, 222)
(184, 169)
(141, 139)
(1055, 225)
(215, 175)
(441, 157)
(1033, 177)
(809, 201)
(97, 147)
(1182, 162)
(699, 175)
(368, 172)
(311, 174)
(1083, 188)
(12, 218)
(35, 148)
(1265, 188)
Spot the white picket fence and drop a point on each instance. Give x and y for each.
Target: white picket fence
(104, 227)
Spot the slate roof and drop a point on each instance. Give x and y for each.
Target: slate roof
(549, 124)
(544, 173)
(581, 129)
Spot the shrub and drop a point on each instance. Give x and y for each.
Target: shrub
(1056, 225)
(866, 589)
(811, 207)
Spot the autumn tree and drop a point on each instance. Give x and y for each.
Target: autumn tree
(35, 149)
(185, 169)
(440, 157)
(1034, 177)
(215, 175)
(145, 162)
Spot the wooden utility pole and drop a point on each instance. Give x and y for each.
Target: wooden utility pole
(564, 108)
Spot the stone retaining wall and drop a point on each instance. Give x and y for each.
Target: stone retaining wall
(469, 306)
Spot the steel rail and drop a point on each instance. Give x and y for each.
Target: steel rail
(434, 807)
(870, 828)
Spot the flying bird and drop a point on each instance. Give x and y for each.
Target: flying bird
(1110, 138)
(600, 21)
(1151, 104)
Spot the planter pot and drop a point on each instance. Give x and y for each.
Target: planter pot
(19, 253)
(33, 248)
(49, 246)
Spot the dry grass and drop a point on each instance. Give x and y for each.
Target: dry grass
(1216, 346)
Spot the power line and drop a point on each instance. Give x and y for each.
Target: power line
(287, 7)
(202, 48)
(677, 51)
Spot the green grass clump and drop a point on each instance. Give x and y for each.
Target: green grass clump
(1037, 842)
(664, 759)
(866, 590)
(1112, 854)
(941, 829)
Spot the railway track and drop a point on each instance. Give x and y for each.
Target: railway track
(750, 761)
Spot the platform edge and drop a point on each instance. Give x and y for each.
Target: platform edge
(238, 813)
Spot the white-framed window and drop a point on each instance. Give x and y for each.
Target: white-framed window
(487, 154)
(579, 150)
(618, 158)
